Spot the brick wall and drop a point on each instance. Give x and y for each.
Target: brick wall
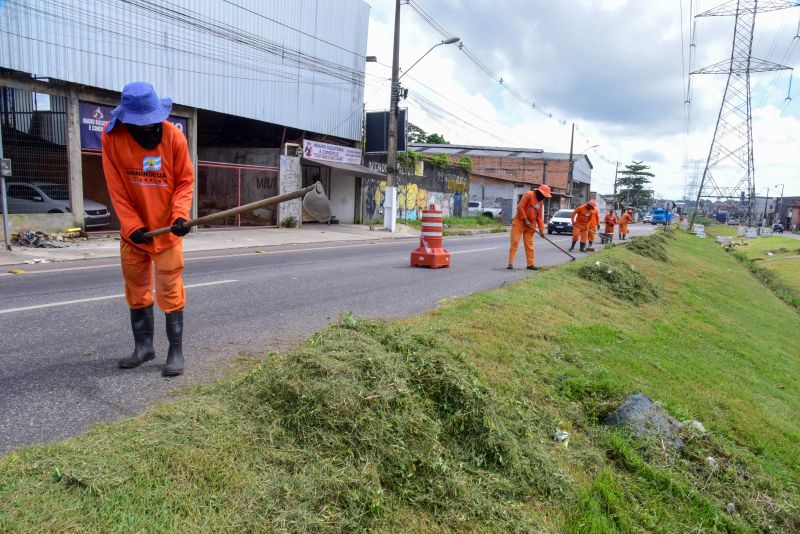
(525, 170)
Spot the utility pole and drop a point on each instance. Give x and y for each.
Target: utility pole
(570, 188)
(766, 203)
(3, 198)
(616, 172)
(390, 204)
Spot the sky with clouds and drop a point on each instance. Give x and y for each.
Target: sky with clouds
(616, 68)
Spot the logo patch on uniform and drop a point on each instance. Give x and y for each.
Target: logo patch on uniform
(151, 163)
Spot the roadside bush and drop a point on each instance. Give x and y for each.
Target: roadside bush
(621, 279)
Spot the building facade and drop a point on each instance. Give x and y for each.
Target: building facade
(500, 176)
(250, 81)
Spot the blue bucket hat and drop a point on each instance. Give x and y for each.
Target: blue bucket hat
(140, 106)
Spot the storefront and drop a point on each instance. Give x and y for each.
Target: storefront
(339, 170)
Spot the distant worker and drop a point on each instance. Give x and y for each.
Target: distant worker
(610, 221)
(530, 215)
(669, 218)
(594, 224)
(626, 218)
(150, 178)
(584, 218)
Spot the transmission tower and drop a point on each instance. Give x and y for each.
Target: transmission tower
(732, 144)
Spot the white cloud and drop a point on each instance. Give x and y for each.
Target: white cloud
(612, 66)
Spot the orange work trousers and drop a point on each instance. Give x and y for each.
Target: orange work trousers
(592, 233)
(580, 233)
(137, 270)
(609, 229)
(623, 229)
(519, 230)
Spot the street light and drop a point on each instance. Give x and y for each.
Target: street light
(451, 40)
(390, 202)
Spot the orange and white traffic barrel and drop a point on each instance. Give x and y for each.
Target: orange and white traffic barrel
(430, 252)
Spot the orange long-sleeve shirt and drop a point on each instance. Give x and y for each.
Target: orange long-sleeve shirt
(531, 209)
(584, 218)
(626, 218)
(610, 219)
(149, 187)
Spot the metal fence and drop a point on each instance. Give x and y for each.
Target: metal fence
(34, 138)
(223, 186)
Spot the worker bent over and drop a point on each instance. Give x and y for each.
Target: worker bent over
(610, 222)
(150, 178)
(530, 215)
(626, 218)
(584, 219)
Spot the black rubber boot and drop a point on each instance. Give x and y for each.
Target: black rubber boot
(573, 245)
(510, 267)
(583, 247)
(533, 268)
(142, 326)
(174, 365)
(590, 243)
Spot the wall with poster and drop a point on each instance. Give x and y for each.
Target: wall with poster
(94, 117)
(447, 188)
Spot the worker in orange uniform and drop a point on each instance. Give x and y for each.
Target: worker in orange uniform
(530, 215)
(594, 224)
(626, 218)
(150, 177)
(610, 221)
(584, 217)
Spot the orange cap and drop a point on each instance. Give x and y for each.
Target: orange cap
(593, 202)
(630, 211)
(544, 189)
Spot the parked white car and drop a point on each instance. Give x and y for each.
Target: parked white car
(48, 197)
(476, 208)
(561, 221)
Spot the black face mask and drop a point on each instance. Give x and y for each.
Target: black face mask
(146, 138)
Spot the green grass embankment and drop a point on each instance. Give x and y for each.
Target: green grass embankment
(445, 421)
(774, 260)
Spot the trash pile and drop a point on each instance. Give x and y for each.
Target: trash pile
(44, 240)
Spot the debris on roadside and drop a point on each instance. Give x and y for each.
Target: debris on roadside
(43, 240)
(712, 464)
(38, 260)
(562, 436)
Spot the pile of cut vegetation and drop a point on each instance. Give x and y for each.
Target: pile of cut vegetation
(652, 246)
(401, 421)
(621, 279)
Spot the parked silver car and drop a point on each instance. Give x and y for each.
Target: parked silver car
(48, 197)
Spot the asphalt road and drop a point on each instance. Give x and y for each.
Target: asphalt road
(63, 327)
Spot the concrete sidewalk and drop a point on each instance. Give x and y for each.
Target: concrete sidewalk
(107, 246)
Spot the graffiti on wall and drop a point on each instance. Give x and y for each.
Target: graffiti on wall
(445, 188)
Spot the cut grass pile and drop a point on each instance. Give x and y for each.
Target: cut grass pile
(446, 421)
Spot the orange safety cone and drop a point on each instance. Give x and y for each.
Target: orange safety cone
(430, 252)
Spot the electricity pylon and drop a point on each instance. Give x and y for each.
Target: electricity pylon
(732, 143)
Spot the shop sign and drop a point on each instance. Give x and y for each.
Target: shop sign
(328, 152)
(94, 118)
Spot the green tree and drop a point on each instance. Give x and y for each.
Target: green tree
(631, 183)
(436, 139)
(415, 134)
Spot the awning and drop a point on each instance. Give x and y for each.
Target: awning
(349, 168)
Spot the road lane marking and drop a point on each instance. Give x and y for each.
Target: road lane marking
(475, 250)
(242, 254)
(95, 299)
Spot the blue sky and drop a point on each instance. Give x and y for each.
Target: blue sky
(615, 67)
